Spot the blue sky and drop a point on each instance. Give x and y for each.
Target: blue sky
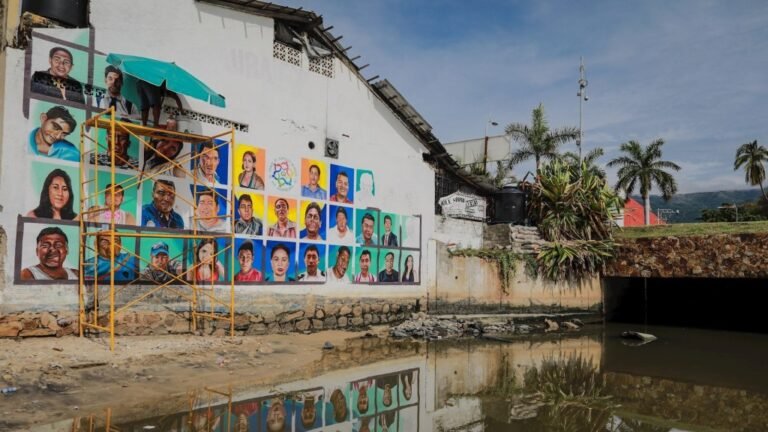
(694, 73)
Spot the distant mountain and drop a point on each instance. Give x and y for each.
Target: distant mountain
(690, 205)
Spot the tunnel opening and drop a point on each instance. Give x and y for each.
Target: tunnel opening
(708, 303)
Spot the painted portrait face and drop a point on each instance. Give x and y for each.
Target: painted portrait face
(312, 222)
(407, 389)
(123, 139)
(362, 399)
(276, 416)
(160, 261)
(342, 262)
(342, 185)
(279, 263)
(367, 229)
(163, 196)
(245, 257)
(314, 176)
(53, 130)
(309, 412)
(311, 260)
(104, 247)
(245, 208)
(58, 193)
(205, 254)
(114, 82)
(365, 263)
(341, 221)
(248, 163)
(61, 64)
(119, 196)
(281, 210)
(52, 250)
(389, 262)
(207, 206)
(209, 161)
(168, 148)
(387, 398)
(339, 403)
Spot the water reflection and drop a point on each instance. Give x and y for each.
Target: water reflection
(565, 382)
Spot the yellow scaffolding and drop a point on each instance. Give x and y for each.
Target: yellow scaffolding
(189, 289)
(200, 415)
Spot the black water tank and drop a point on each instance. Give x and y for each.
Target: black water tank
(69, 12)
(510, 206)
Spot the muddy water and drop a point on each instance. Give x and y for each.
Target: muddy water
(590, 380)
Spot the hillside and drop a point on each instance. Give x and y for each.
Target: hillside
(691, 204)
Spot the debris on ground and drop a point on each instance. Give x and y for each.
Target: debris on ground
(551, 325)
(636, 338)
(423, 326)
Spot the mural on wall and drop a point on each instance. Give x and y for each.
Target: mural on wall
(261, 217)
(346, 406)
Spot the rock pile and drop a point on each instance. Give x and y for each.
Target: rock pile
(38, 324)
(423, 326)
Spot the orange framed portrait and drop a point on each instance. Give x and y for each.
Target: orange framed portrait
(249, 167)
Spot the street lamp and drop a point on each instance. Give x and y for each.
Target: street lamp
(582, 94)
(485, 150)
(729, 206)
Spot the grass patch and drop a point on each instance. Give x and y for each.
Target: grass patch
(691, 229)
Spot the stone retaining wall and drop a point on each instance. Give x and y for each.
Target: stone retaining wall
(331, 315)
(713, 256)
(690, 405)
(496, 235)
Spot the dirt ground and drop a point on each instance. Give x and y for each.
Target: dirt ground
(58, 379)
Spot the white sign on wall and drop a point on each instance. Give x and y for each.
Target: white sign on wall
(463, 205)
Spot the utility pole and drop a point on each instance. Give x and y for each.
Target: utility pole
(485, 147)
(582, 94)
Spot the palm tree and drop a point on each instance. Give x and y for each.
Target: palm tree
(538, 141)
(751, 156)
(643, 165)
(589, 161)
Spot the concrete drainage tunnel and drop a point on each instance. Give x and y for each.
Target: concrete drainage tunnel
(707, 303)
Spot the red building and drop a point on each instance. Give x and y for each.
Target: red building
(633, 215)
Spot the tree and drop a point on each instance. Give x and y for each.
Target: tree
(643, 166)
(538, 141)
(589, 162)
(751, 156)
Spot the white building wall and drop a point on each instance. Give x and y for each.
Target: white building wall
(284, 106)
(459, 233)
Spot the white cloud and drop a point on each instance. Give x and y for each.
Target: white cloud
(691, 72)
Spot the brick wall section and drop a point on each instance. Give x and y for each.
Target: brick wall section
(713, 256)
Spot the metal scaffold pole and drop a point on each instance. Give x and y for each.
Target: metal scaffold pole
(95, 231)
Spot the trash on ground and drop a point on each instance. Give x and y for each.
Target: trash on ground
(638, 338)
